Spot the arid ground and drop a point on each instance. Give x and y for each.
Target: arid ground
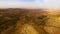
(29, 21)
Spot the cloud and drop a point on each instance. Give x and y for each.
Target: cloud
(17, 4)
(5, 4)
(49, 4)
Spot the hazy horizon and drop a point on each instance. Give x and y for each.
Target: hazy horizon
(36, 4)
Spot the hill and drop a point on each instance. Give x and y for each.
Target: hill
(44, 21)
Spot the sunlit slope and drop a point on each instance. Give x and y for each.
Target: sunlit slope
(28, 29)
(53, 23)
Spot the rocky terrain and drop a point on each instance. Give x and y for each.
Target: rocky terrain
(29, 21)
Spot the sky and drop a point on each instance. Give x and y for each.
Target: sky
(49, 4)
